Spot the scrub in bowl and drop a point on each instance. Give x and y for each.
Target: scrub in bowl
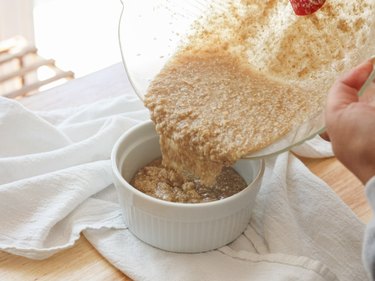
(172, 226)
(165, 183)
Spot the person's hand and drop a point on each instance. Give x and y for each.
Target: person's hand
(350, 123)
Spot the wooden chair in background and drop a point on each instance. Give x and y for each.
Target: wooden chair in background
(19, 66)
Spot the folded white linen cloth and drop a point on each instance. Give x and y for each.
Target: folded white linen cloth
(55, 182)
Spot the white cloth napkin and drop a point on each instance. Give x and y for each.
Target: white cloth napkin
(55, 182)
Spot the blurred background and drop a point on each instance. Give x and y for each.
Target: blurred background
(40, 39)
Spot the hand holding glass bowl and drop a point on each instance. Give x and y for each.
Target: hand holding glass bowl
(150, 32)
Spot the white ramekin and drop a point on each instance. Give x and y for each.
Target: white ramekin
(178, 227)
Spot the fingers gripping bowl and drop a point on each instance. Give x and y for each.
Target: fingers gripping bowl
(290, 64)
(178, 227)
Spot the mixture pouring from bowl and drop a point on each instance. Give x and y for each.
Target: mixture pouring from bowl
(249, 75)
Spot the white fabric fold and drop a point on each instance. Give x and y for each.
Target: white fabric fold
(369, 239)
(27, 130)
(56, 182)
(298, 224)
(143, 262)
(314, 148)
(43, 191)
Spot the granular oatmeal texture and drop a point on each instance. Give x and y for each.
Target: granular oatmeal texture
(210, 109)
(251, 74)
(160, 182)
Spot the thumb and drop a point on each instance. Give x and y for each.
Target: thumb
(345, 90)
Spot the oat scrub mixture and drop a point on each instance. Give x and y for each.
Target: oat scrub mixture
(163, 183)
(249, 75)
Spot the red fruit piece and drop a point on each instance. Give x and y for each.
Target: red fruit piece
(306, 7)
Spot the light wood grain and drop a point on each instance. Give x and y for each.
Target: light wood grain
(343, 182)
(82, 262)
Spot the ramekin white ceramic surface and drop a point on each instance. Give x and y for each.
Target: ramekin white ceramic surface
(178, 227)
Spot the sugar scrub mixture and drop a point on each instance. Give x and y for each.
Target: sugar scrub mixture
(163, 183)
(250, 73)
(206, 121)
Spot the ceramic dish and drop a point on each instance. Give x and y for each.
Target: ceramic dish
(179, 227)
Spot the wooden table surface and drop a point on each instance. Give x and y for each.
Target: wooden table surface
(83, 262)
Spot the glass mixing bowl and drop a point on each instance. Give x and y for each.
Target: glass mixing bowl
(149, 34)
